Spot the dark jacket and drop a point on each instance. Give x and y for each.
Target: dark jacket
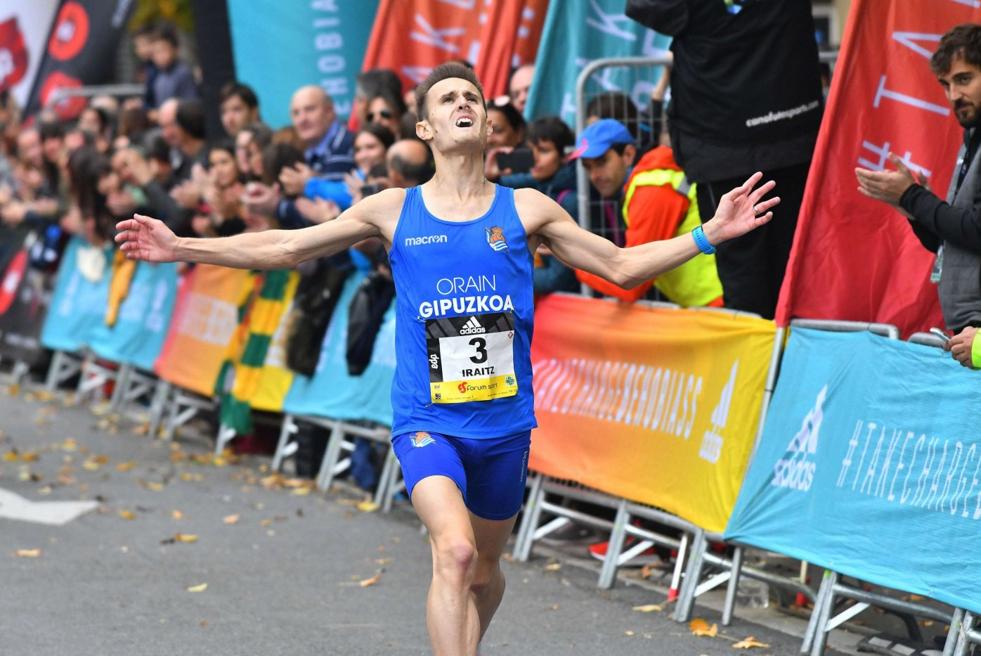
(745, 85)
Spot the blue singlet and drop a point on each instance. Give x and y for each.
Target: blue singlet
(464, 317)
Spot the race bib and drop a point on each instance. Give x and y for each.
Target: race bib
(471, 358)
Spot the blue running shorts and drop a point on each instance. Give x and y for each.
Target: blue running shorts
(489, 472)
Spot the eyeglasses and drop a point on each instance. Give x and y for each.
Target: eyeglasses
(384, 113)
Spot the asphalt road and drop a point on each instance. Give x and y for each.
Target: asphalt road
(285, 572)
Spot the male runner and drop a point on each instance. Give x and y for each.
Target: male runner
(461, 255)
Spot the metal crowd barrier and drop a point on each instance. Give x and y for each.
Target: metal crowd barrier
(822, 622)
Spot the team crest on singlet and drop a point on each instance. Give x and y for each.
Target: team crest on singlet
(495, 238)
(421, 439)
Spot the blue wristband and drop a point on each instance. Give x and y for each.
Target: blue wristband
(701, 241)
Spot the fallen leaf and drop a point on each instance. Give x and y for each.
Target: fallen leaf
(125, 466)
(368, 506)
(231, 519)
(91, 465)
(154, 486)
(176, 514)
(198, 588)
(700, 627)
(10, 456)
(186, 538)
(553, 567)
(28, 553)
(646, 571)
(13, 390)
(649, 608)
(203, 624)
(29, 456)
(69, 444)
(371, 581)
(127, 514)
(265, 522)
(629, 633)
(750, 643)
(300, 491)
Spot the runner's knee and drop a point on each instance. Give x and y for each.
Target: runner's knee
(484, 572)
(456, 557)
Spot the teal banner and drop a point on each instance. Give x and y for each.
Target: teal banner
(78, 305)
(282, 46)
(577, 33)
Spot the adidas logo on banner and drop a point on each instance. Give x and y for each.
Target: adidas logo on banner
(795, 470)
(712, 441)
(472, 327)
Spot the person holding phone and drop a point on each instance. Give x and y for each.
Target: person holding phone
(460, 251)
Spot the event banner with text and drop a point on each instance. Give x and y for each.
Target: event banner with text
(205, 320)
(77, 308)
(659, 406)
(884, 98)
(870, 465)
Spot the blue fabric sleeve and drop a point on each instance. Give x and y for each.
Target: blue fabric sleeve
(329, 190)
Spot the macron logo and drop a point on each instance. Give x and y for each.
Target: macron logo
(472, 327)
(427, 239)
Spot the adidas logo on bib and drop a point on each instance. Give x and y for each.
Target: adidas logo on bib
(472, 327)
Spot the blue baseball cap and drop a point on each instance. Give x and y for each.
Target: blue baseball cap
(599, 137)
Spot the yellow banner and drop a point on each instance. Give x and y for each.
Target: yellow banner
(274, 377)
(204, 322)
(659, 406)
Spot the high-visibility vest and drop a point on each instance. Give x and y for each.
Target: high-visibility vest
(696, 282)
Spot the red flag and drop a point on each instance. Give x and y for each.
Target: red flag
(413, 36)
(13, 54)
(855, 258)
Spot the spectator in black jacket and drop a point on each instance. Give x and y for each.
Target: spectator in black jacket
(746, 96)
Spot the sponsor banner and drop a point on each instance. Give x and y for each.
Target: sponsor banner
(870, 465)
(332, 392)
(144, 317)
(319, 43)
(205, 320)
(411, 37)
(24, 26)
(575, 34)
(275, 378)
(81, 50)
(658, 406)
(78, 305)
(883, 99)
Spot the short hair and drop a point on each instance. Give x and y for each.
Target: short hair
(442, 72)
(190, 117)
(146, 29)
(242, 91)
(554, 129)
(166, 32)
(380, 132)
(262, 134)
(616, 105)
(414, 172)
(157, 149)
(963, 41)
(102, 115)
(50, 130)
(511, 113)
(373, 80)
(392, 100)
(226, 145)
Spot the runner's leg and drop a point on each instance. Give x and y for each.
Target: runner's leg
(488, 582)
(451, 615)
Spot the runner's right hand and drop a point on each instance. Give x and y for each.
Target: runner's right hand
(146, 238)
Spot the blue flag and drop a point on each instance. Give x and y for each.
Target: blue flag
(869, 466)
(282, 46)
(575, 34)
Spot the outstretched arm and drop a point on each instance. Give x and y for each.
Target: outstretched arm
(145, 238)
(740, 211)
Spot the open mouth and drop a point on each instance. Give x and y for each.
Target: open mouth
(464, 122)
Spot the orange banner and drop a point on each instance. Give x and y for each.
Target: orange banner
(205, 319)
(659, 406)
(413, 36)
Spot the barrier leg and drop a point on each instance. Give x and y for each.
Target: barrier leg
(282, 452)
(954, 632)
(390, 474)
(821, 631)
(381, 490)
(692, 573)
(225, 435)
(679, 566)
(157, 407)
(119, 389)
(967, 623)
(534, 512)
(534, 484)
(815, 614)
(19, 372)
(608, 573)
(326, 474)
(733, 586)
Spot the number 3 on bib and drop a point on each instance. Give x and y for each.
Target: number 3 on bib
(471, 358)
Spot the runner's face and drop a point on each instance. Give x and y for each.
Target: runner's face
(962, 84)
(457, 116)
